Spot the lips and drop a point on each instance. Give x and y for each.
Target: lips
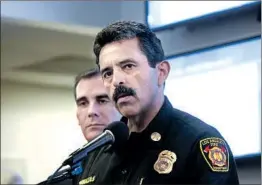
(121, 96)
(95, 125)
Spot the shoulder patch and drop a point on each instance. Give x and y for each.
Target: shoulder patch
(215, 153)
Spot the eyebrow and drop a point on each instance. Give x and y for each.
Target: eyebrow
(81, 99)
(102, 96)
(119, 64)
(97, 97)
(125, 62)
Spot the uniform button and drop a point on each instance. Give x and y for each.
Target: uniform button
(124, 171)
(155, 136)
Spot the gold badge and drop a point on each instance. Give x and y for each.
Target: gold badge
(215, 153)
(155, 136)
(165, 161)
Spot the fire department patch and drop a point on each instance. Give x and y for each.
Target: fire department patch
(215, 153)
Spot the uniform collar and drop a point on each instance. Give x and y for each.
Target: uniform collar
(157, 127)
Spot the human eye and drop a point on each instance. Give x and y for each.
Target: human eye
(103, 101)
(107, 74)
(82, 103)
(128, 66)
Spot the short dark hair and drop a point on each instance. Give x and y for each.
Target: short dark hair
(149, 44)
(91, 73)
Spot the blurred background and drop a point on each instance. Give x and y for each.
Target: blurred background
(214, 49)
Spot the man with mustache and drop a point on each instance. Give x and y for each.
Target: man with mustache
(166, 145)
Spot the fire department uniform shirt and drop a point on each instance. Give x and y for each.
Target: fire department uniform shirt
(175, 148)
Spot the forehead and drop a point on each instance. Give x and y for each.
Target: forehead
(90, 88)
(118, 51)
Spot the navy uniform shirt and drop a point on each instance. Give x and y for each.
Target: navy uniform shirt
(175, 148)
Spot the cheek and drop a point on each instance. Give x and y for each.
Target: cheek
(106, 85)
(110, 114)
(81, 116)
(147, 88)
(109, 88)
(142, 82)
(78, 115)
(136, 80)
(111, 91)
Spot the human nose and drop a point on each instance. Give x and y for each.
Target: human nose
(92, 110)
(118, 78)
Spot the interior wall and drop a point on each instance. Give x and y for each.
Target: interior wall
(88, 13)
(65, 12)
(38, 129)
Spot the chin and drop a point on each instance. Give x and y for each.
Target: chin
(128, 111)
(92, 136)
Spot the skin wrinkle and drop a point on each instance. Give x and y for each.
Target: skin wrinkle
(145, 80)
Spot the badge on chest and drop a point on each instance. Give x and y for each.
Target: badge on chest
(165, 162)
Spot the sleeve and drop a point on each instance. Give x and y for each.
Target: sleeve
(213, 161)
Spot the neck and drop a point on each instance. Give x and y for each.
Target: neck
(140, 122)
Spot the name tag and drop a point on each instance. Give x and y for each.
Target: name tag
(87, 180)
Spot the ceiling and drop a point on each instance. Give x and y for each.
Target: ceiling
(45, 53)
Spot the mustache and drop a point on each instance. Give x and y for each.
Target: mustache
(122, 91)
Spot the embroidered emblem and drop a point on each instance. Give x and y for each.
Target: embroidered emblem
(165, 161)
(87, 180)
(215, 153)
(155, 136)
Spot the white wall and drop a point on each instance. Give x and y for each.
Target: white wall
(38, 129)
